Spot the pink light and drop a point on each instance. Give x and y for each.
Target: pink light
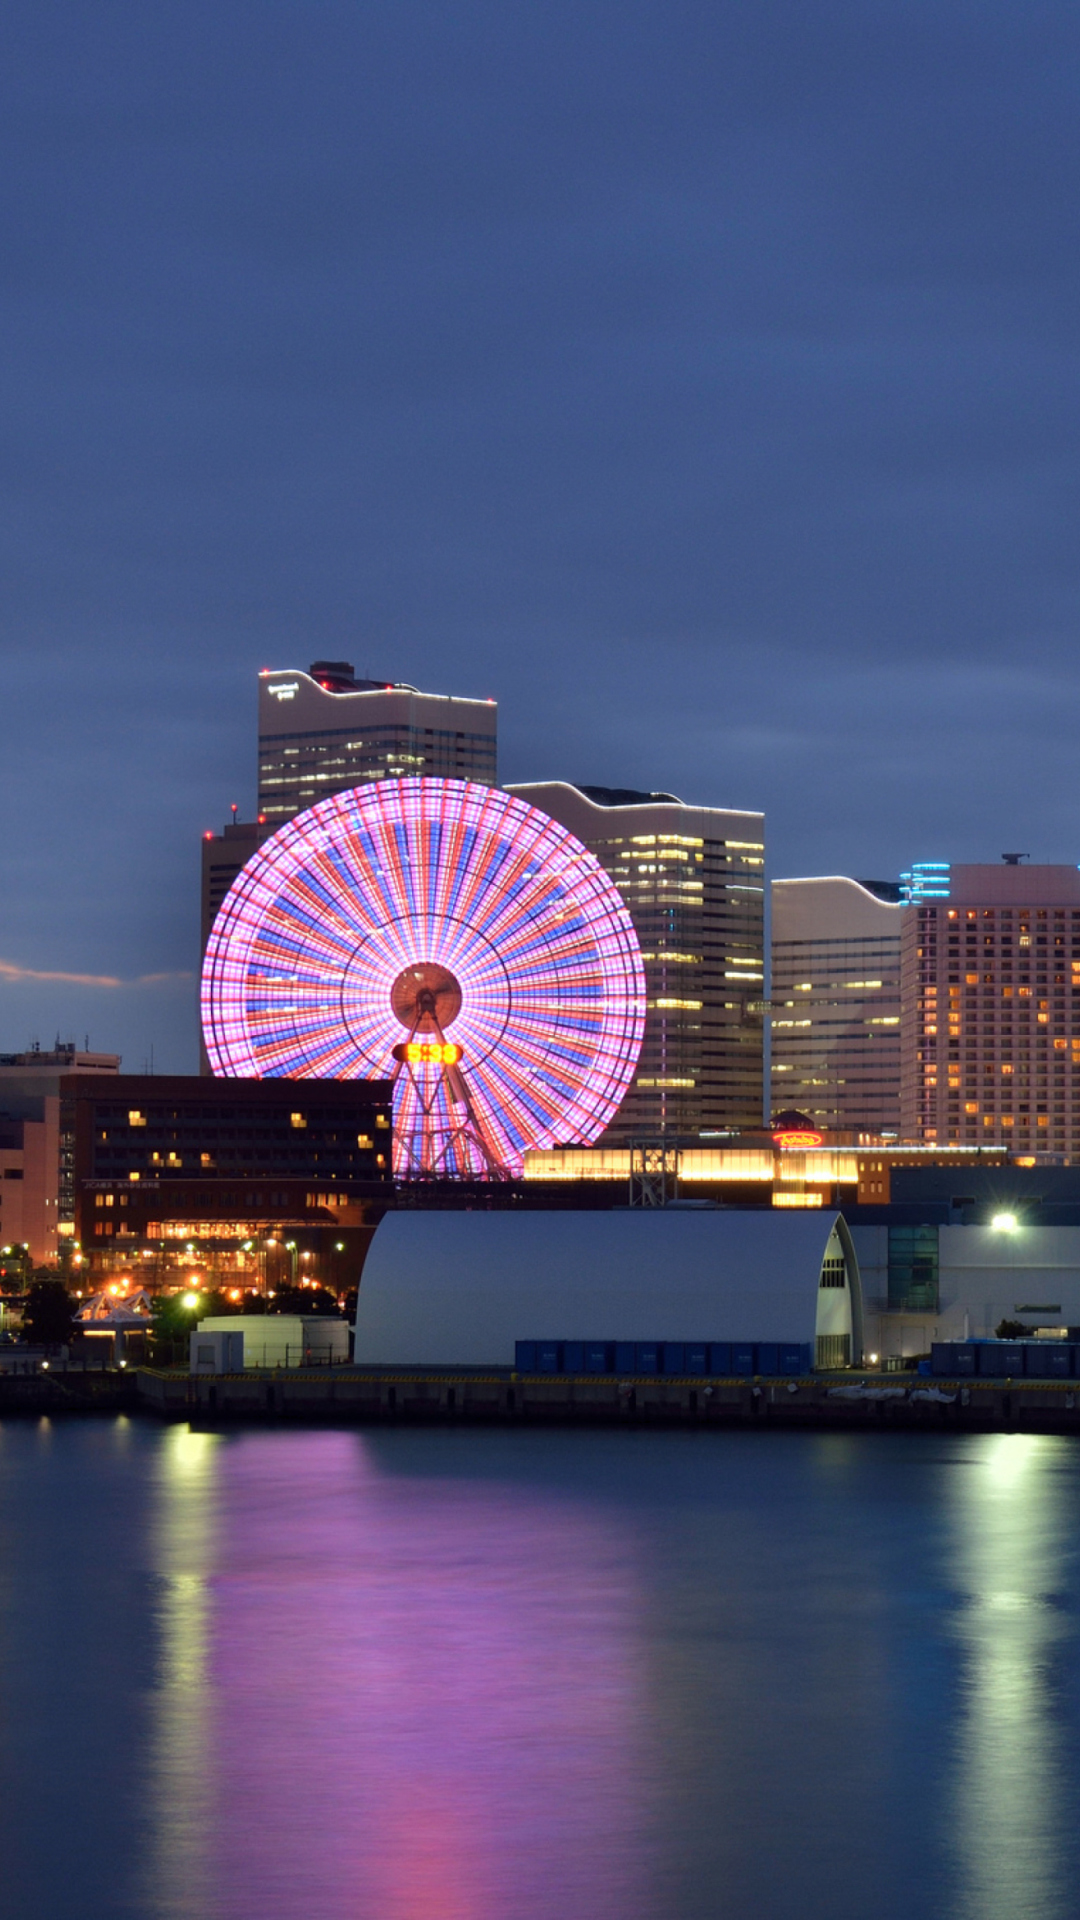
(340, 901)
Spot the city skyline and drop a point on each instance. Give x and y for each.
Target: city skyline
(700, 386)
(110, 1003)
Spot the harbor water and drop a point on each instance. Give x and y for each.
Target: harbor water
(461, 1674)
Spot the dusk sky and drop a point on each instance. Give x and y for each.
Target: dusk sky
(701, 381)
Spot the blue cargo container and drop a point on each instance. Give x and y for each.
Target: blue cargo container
(1048, 1359)
(548, 1356)
(674, 1356)
(795, 1359)
(720, 1358)
(768, 1357)
(648, 1359)
(743, 1359)
(525, 1356)
(943, 1358)
(697, 1359)
(573, 1356)
(625, 1356)
(1000, 1359)
(965, 1359)
(597, 1356)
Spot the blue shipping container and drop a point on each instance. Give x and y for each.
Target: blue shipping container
(573, 1356)
(1048, 1359)
(697, 1359)
(525, 1356)
(596, 1356)
(743, 1359)
(943, 1358)
(999, 1359)
(720, 1358)
(625, 1356)
(768, 1357)
(648, 1359)
(674, 1356)
(795, 1359)
(548, 1357)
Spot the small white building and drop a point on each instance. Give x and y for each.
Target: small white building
(461, 1289)
(284, 1339)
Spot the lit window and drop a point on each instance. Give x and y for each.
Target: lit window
(298, 1120)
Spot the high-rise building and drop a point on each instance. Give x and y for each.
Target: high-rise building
(223, 855)
(836, 1002)
(990, 1017)
(693, 880)
(325, 730)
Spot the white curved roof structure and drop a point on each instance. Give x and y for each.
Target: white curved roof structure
(460, 1289)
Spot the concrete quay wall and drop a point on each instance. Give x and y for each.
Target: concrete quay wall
(350, 1395)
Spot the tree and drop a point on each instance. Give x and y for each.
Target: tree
(304, 1300)
(1011, 1330)
(49, 1314)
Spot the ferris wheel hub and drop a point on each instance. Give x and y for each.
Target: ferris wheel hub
(425, 997)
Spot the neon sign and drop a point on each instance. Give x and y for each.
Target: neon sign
(798, 1137)
(427, 1053)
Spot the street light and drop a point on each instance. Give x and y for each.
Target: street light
(1004, 1223)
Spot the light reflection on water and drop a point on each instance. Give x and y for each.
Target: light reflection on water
(518, 1675)
(1013, 1793)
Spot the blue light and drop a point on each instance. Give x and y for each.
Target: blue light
(926, 880)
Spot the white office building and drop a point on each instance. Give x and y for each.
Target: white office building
(836, 1002)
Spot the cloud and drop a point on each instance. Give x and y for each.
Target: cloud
(17, 976)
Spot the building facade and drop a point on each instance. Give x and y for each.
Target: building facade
(990, 1009)
(693, 881)
(164, 1172)
(323, 731)
(223, 855)
(836, 1002)
(36, 1208)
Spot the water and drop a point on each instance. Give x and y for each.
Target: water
(514, 1675)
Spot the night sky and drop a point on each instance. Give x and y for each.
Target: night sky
(700, 380)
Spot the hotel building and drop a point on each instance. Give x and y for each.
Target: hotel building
(836, 1002)
(990, 1009)
(323, 731)
(693, 880)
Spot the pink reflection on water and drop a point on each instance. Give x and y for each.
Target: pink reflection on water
(426, 1693)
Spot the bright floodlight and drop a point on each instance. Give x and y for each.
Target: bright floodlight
(386, 918)
(1004, 1223)
(190, 1300)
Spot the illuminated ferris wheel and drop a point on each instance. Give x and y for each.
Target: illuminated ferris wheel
(448, 936)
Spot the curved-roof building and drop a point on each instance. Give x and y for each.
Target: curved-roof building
(454, 1288)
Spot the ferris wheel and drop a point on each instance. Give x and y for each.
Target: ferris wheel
(448, 936)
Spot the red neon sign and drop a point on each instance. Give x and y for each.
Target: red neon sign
(798, 1137)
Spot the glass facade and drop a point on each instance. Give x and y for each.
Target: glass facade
(836, 1031)
(693, 880)
(698, 909)
(296, 770)
(913, 1269)
(835, 1003)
